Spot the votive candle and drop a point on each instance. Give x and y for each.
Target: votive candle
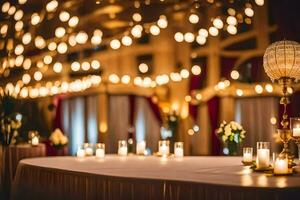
(178, 149)
(88, 149)
(35, 141)
(80, 153)
(140, 147)
(100, 150)
(163, 147)
(122, 149)
(247, 154)
(281, 166)
(263, 155)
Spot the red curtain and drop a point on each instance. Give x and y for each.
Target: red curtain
(213, 110)
(155, 109)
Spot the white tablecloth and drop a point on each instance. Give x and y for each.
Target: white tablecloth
(137, 177)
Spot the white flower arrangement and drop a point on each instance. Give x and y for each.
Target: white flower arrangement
(58, 139)
(231, 132)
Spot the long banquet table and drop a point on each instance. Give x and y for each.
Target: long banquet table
(142, 178)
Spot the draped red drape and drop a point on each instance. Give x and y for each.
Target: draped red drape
(213, 110)
(155, 109)
(227, 65)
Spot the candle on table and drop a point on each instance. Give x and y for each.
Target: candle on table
(178, 149)
(100, 150)
(122, 150)
(263, 158)
(296, 131)
(247, 154)
(281, 166)
(88, 149)
(100, 153)
(140, 147)
(35, 141)
(80, 153)
(263, 155)
(164, 148)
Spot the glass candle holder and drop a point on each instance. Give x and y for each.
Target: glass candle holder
(140, 147)
(122, 148)
(248, 154)
(88, 148)
(178, 149)
(33, 138)
(164, 147)
(100, 150)
(80, 152)
(263, 155)
(295, 128)
(281, 166)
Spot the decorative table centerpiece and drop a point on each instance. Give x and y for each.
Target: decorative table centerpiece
(231, 134)
(58, 140)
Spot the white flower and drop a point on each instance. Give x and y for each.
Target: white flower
(63, 140)
(224, 138)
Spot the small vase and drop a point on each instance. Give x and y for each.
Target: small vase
(232, 148)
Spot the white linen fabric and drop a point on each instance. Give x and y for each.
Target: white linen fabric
(138, 177)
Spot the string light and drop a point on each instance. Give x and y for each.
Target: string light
(18, 15)
(137, 17)
(179, 37)
(60, 32)
(47, 59)
(73, 21)
(162, 22)
(184, 73)
(115, 44)
(4, 29)
(51, 6)
(64, 16)
(269, 88)
(201, 40)
(126, 40)
(154, 30)
(249, 12)
(5, 7)
(258, 89)
(235, 75)
(81, 37)
(52, 46)
(189, 37)
(62, 48)
(213, 31)
(260, 2)
(232, 29)
(37, 75)
(203, 32)
(194, 19)
(239, 92)
(143, 68)
(19, 25)
(27, 64)
(95, 64)
(57, 67)
(85, 66)
(35, 19)
(125, 79)
(19, 49)
(231, 20)
(26, 78)
(196, 70)
(113, 78)
(218, 23)
(75, 66)
(26, 39)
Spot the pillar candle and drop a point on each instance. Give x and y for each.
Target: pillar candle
(100, 153)
(35, 141)
(140, 147)
(263, 158)
(80, 153)
(178, 152)
(281, 166)
(122, 151)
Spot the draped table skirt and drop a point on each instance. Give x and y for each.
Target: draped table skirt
(143, 178)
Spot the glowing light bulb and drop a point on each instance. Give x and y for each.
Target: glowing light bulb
(231, 20)
(51, 6)
(125, 79)
(47, 59)
(203, 32)
(114, 78)
(85, 66)
(201, 40)
(259, 89)
(231, 29)
(75, 66)
(194, 19)
(95, 64)
(35, 19)
(162, 21)
(235, 74)
(81, 37)
(239, 92)
(154, 30)
(136, 31)
(5, 7)
(26, 78)
(62, 48)
(38, 75)
(18, 15)
(27, 64)
(260, 2)
(115, 44)
(52, 46)
(26, 39)
(184, 73)
(60, 32)
(57, 67)
(189, 37)
(19, 49)
(143, 68)
(137, 17)
(39, 42)
(213, 31)
(126, 40)
(64, 16)
(269, 88)
(249, 12)
(19, 25)
(218, 23)
(179, 37)
(73, 21)
(196, 70)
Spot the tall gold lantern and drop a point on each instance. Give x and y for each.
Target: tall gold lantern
(282, 65)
